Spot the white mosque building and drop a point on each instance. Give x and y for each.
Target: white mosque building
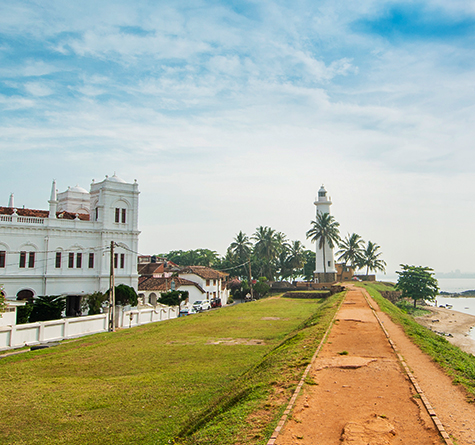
(66, 250)
(323, 203)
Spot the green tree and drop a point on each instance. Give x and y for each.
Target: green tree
(324, 231)
(351, 251)
(309, 264)
(173, 298)
(370, 258)
(49, 307)
(241, 250)
(125, 295)
(93, 302)
(261, 288)
(266, 249)
(3, 303)
(417, 282)
(294, 260)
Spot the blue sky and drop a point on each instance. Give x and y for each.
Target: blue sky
(232, 114)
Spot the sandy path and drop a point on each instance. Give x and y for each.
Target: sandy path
(449, 401)
(360, 398)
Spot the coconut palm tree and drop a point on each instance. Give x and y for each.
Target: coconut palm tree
(350, 251)
(295, 259)
(370, 258)
(241, 249)
(266, 248)
(325, 231)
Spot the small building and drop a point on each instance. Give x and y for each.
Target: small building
(344, 272)
(212, 281)
(150, 289)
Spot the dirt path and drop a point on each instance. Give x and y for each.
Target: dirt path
(361, 396)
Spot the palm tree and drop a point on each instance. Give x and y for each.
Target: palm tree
(370, 258)
(241, 249)
(267, 249)
(295, 259)
(350, 251)
(325, 231)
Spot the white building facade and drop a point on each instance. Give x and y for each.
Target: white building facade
(66, 250)
(324, 272)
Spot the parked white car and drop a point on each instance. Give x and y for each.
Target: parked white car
(201, 305)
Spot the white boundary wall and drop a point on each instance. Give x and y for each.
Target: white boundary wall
(29, 334)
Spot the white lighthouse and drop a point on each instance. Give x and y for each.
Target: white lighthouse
(323, 203)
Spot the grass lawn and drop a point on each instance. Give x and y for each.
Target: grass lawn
(177, 381)
(457, 363)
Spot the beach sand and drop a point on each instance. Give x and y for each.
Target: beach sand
(447, 321)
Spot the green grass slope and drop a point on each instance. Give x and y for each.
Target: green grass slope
(166, 382)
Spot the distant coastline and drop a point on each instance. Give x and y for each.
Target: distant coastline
(454, 275)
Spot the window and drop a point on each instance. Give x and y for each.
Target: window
(78, 260)
(22, 259)
(214, 282)
(31, 259)
(71, 260)
(91, 260)
(122, 260)
(97, 213)
(120, 215)
(207, 282)
(3, 254)
(329, 263)
(116, 259)
(58, 260)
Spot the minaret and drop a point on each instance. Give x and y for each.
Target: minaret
(53, 201)
(323, 203)
(10, 202)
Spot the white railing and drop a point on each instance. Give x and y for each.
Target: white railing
(30, 220)
(6, 218)
(30, 334)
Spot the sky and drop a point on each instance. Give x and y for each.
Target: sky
(232, 114)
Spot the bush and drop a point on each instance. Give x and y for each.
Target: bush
(93, 302)
(173, 298)
(23, 313)
(124, 295)
(49, 307)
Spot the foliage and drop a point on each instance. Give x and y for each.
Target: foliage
(267, 247)
(351, 250)
(261, 288)
(125, 295)
(325, 231)
(370, 258)
(23, 313)
(238, 288)
(174, 297)
(417, 283)
(94, 302)
(198, 257)
(3, 304)
(240, 248)
(309, 264)
(48, 307)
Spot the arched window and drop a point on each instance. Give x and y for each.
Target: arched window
(25, 294)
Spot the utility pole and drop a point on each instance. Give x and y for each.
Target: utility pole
(250, 279)
(112, 291)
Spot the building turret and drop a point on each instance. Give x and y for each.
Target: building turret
(53, 201)
(10, 201)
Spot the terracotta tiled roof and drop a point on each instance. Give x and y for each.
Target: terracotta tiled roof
(158, 284)
(204, 272)
(149, 268)
(42, 213)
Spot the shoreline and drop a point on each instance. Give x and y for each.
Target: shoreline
(448, 321)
